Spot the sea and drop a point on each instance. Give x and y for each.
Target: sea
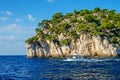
(23, 68)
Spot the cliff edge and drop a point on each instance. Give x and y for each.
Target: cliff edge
(89, 33)
(86, 46)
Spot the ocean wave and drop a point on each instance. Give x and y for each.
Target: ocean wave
(93, 60)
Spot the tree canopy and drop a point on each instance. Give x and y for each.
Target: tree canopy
(103, 22)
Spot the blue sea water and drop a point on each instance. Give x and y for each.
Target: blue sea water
(22, 68)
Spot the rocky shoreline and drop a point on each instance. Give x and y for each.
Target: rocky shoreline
(87, 46)
(89, 33)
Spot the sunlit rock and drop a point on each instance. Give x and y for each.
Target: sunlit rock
(89, 46)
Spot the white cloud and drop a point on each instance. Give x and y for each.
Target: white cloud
(16, 32)
(9, 38)
(50, 0)
(18, 20)
(30, 17)
(7, 13)
(12, 38)
(4, 18)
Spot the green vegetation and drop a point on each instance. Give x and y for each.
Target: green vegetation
(65, 42)
(103, 22)
(33, 39)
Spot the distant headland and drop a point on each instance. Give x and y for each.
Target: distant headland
(89, 33)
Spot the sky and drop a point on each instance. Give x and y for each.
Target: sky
(19, 18)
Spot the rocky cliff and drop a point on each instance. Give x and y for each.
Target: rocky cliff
(88, 46)
(90, 33)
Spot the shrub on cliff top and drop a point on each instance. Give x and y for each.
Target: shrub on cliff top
(101, 22)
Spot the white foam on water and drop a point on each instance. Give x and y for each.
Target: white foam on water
(92, 60)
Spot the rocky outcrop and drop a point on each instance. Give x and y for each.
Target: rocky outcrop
(89, 46)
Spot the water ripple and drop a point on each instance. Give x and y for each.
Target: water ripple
(21, 68)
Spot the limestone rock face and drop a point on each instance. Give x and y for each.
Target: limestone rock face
(89, 46)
